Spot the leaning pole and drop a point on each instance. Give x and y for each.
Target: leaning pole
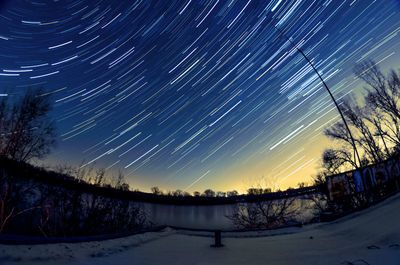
(330, 93)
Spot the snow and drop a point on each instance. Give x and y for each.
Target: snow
(368, 237)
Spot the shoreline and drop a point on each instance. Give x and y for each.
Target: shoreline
(371, 235)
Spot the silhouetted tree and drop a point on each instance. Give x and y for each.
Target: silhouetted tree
(333, 160)
(178, 193)
(375, 125)
(11, 194)
(265, 214)
(301, 185)
(232, 193)
(156, 191)
(258, 191)
(196, 194)
(26, 131)
(221, 194)
(209, 193)
(382, 99)
(255, 191)
(317, 203)
(119, 182)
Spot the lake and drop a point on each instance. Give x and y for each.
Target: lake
(210, 217)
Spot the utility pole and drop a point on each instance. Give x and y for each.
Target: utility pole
(327, 89)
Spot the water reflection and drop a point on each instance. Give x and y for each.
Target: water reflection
(205, 216)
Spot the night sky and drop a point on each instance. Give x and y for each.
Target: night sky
(194, 94)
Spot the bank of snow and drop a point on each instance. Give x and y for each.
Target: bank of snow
(368, 237)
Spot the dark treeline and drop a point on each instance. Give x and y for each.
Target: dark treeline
(250, 192)
(206, 198)
(34, 201)
(95, 182)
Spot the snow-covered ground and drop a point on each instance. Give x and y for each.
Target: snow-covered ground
(368, 237)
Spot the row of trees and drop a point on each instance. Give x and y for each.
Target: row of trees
(374, 122)
(34, 201)
(207, 193)
(219, 194)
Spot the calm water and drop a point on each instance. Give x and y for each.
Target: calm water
(198, 217)
(205, 217)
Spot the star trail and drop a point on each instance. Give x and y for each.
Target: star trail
(194, 94)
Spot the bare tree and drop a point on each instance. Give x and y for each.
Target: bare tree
(209, 193)
(221, 194)
(8, 209)
(196, 194)
(26, 132)
(118, 181)
(178, 193)
(264, 214)
(301, 185)
(258, 191)
(383, 98)
(375, 123)
(336, 160)
(232, 193)
(365, 135)
(317, 203)
(13, 196)
(156, 191)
